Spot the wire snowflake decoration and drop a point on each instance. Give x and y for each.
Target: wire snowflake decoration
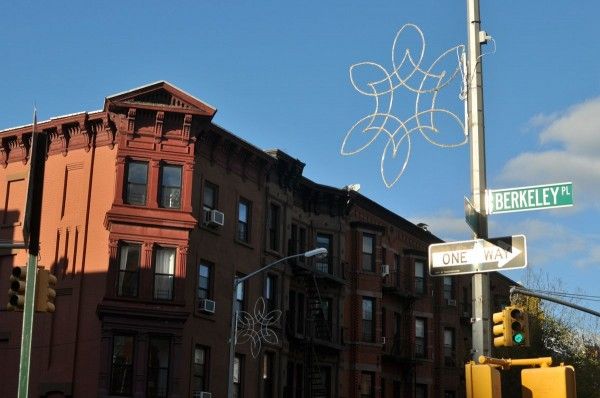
(256, 327)
(425, 83)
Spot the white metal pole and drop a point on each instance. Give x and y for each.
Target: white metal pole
(480, 282)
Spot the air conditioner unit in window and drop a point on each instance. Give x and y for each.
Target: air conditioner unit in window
(383, 340)
(202, 394)
(214, 218)
(206, 305)
(451, 302)
(385, 270)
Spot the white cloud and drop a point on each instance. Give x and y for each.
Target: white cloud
(444, 225)
(577, 133)
(578, 129)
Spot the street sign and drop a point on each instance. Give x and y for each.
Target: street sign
(472, 216)
(535, 197)
(478, 255)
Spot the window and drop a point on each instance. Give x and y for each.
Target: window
(137, 181)
(396, 389)
(243, 230)
(299, 380)
(300, 320)
(129, 267)
(325, 372)
(209, 199)
(368, 250)
(240, 292)
(324, 332)
(158, 367)
(368, 307)
(449, 347)
(297, 243)
(419, 277)
(267, 375)
(448, 288)
(170, 187)
(367, 385)
(201, 361)
(420, 338)
(204, 274)
(121, 372)
(270, 292)
(399, 282)
(238, 372)
(324, 264)
(274, 220)
(420, 390)
(164, 273)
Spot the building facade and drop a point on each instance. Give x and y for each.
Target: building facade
(150, 210)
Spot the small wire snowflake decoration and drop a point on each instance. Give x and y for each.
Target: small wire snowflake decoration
(256, 327)
(425, 83)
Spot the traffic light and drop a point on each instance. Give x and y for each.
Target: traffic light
(44, 292)
(482, 381)
(519, 324)
(16, 294)
(548, 382)
(502, 328)
(511, 327)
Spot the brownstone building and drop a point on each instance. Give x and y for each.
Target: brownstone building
(149, 212)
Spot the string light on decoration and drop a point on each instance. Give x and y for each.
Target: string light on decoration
(421, 82)
(256, 327)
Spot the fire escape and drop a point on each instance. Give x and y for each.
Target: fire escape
(320, 337)
(401, 349)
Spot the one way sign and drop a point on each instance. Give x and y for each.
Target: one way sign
(478, 255)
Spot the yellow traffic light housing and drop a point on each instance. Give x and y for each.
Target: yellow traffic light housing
(16, 293)
(482, 381)
(44, 292)
(511, 327)
(501, 328)
(519, 326)
(548, 382)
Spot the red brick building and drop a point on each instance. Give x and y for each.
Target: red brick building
(149, 212)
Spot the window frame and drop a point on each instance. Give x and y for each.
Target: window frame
(371, 386)
(448, 288)
(421, 339)
(130, 365)
(324, 264)
(241, 234)
(215, 196)
(368, 266)
(240, 303)
(368, 325)
(128, 183)
(160, 368)
(238, 386)
(122, 271)
(270, 292)
(156, 274)
(449, 350)
(205, 370)
(162, 201)
(420, 281)
(209, 279)
(274, 227)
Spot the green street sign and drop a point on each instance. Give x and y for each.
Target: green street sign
(536, 197)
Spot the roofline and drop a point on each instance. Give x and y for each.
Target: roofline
(158, 82)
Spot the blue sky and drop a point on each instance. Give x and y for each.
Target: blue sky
(278, 73)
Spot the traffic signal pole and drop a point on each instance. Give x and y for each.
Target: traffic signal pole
(480, 282)
(27, 332)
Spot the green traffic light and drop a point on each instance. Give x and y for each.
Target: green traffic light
(518, 338)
